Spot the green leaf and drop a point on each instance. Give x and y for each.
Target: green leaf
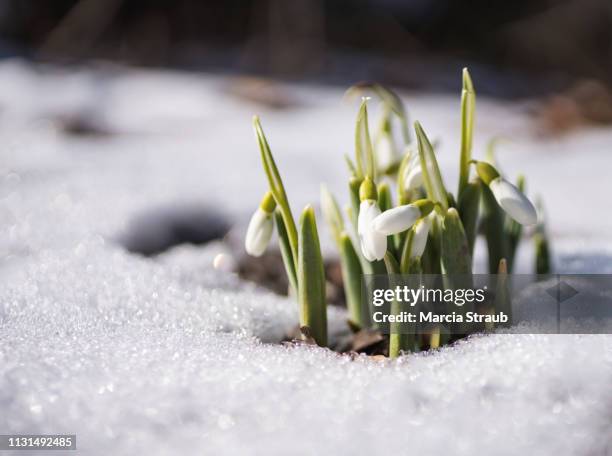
(311, 279)
(350, 165)
(455, 255)
(456, 262)
(403, 196)
(354, 186)
(468, 107)
(493, 224)
(431, 171)
(351, 278)
(431, 257)
(285, 248)
(468, 206)
(276, 186)
(364, 154)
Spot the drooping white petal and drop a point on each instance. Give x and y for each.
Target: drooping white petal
(396, 220)
(512, 200)
(373, 244)
(419, 239)
(258, 233)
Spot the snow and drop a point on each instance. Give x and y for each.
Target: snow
(167, 355)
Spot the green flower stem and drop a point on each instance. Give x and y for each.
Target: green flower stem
(277, 188)
(468, 107)
(431, 171)
(311, 279)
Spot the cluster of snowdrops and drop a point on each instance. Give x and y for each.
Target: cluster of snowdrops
(427, 231)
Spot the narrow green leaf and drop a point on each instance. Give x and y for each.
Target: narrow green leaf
(351, 278)
(431, 171)
(354, 186)
(468, 206)
(276, 186)
(311, 279)
(364, 154)
(468, 107)
(403, 195)
(285, 248)
(456, 262)
(431, 257)
(406, 252)
(455, 254)
(493, 224)
(350, 165)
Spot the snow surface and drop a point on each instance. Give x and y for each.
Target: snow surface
(167, 355)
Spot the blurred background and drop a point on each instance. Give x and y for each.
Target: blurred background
(520, 48)
(142, 103)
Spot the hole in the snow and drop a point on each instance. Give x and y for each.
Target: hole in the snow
(155, 231)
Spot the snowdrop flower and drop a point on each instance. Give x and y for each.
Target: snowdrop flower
(419, 238)
(413, 176)
(373, 243)
(510, 198)
(260, 227)
(401, 218)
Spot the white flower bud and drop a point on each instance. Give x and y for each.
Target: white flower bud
(373, 243)
(259, 232)
(513, 201)
(413, 178)
(396, 220)
(385, 151)
(419, 238)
